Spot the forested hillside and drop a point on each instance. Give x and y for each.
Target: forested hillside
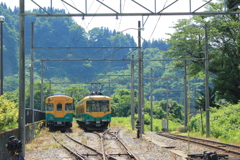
(62, 32)
(187, 41)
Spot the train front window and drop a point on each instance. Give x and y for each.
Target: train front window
(98, 106)
(105, 106)
(59, 107)
(68, 107)
(49, 107)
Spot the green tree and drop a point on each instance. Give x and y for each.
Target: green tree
(200, 102)
(175, 110)
(188, 41)
(121, 102)
(12, 96)
(37, 94)
(10, 83)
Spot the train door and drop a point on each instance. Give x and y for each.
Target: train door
(59, 112)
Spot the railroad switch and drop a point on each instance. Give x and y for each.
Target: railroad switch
(208, 156)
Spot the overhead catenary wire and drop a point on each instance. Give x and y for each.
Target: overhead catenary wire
(157, 21)
(83, 21)
(120, 22)
(95, 13)
(148, 41)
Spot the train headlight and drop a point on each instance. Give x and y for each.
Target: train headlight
(51, 118)
(67, 117)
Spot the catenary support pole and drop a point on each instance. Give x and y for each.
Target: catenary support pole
(2, 19)
(21, 121)
(151, 99)
(142, 81)
(167, 108)
(41, 86)
(185, 96)
(140, 78)
(206, 84)
(31, 73)
(132, 93)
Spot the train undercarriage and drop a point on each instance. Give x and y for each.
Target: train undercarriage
(93, 125)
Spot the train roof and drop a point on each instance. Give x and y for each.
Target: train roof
(97, 96)
(59, 95)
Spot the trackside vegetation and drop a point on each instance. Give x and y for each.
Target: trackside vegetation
(8, 113)
(224, 123)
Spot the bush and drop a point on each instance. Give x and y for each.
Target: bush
(182, 129)
(156, 128)
(8, 112)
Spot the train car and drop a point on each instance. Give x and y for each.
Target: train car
(59, 111)
(93, 112)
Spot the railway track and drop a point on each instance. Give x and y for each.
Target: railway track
(77, 155)
(227, 148)
(109, 147)
(114, 146)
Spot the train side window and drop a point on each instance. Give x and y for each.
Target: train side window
(59, 107)
(49, 107)
(68, 107)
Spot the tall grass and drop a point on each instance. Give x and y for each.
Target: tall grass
(224, 123)
(157, 124)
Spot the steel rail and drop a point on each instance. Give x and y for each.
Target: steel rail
(83, 144)
(127, 149)
(71, 151)
(197, 141)
(101, 153)
(207, 140)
